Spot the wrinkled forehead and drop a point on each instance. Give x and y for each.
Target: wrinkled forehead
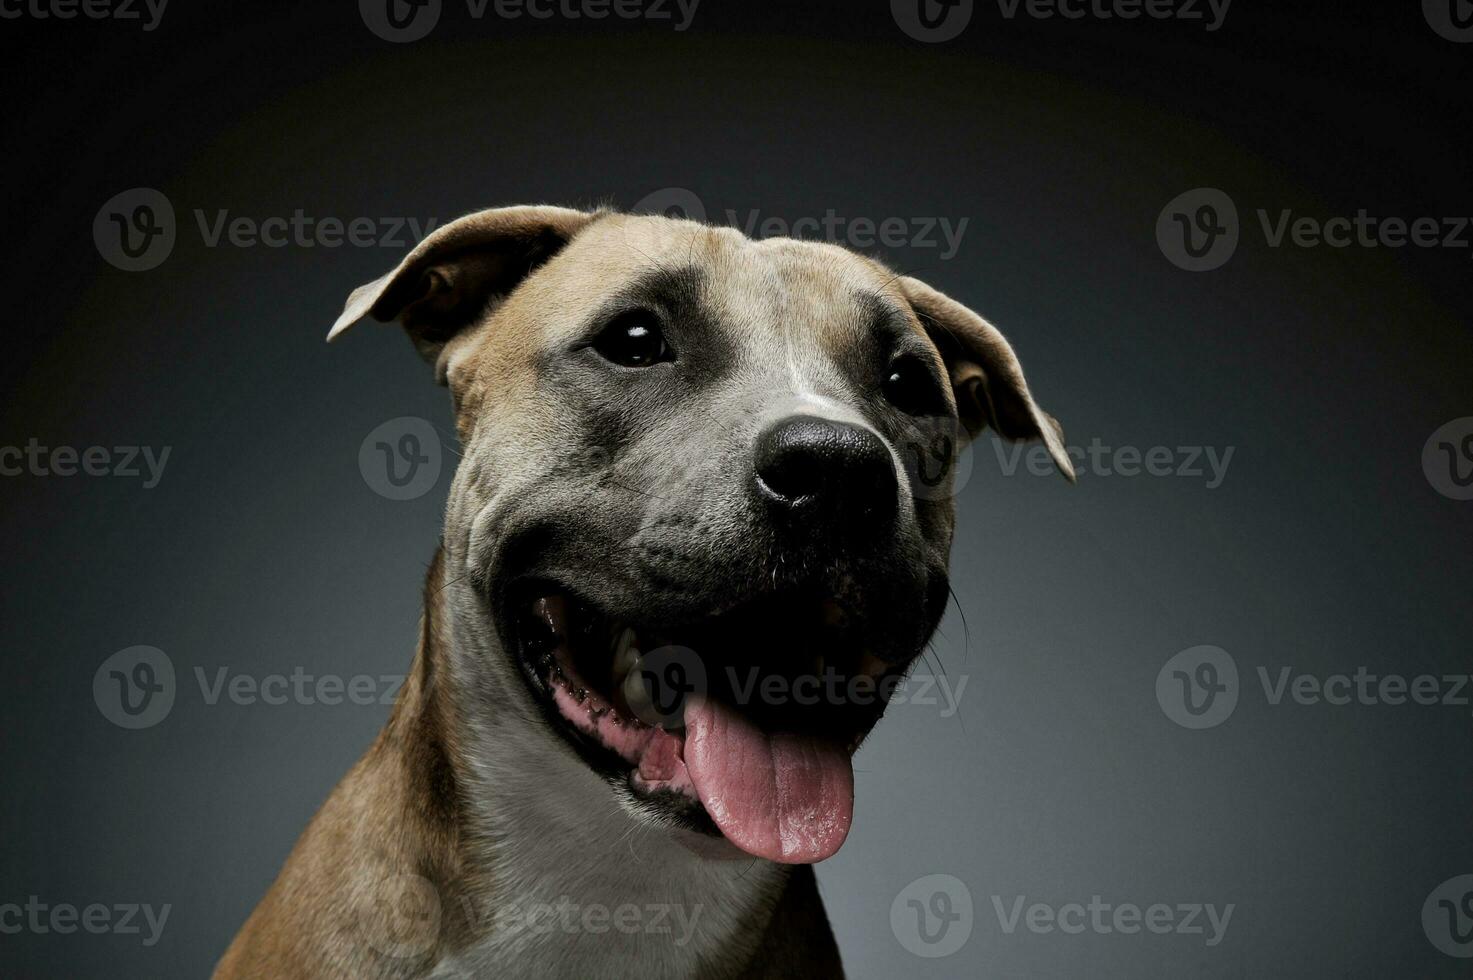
(801, 296)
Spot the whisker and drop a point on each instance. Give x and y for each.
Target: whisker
(966, 629)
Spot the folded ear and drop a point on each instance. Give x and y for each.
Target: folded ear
(455, 276)
(985, 374)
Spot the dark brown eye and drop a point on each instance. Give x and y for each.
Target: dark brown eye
(911, 387)
(633, 340)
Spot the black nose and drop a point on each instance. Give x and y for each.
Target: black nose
(825, 470)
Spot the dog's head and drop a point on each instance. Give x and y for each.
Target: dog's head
(705, 496)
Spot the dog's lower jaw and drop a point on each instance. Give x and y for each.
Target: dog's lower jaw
(460, 846)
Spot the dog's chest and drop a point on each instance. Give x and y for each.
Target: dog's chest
(598, 927)
(587, 892)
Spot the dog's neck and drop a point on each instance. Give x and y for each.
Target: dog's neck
(544, 858)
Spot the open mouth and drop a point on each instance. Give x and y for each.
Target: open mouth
(742, 723)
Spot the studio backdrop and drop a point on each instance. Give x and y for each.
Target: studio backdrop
(1204, 713)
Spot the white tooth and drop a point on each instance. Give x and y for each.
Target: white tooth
(637, 696)
(626, 655)
(552, 610)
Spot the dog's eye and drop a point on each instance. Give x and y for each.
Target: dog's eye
(910, 387)
(633, 340)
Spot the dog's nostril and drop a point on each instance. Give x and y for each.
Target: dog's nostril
(826, 468)
(793, 475)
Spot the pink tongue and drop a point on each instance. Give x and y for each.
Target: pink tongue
(781, 796)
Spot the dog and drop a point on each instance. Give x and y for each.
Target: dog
(703, 476)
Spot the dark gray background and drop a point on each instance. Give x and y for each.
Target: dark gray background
(264, 550)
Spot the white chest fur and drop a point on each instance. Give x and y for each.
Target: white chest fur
(583, 889)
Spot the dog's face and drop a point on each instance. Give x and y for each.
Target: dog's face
(705, 496)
